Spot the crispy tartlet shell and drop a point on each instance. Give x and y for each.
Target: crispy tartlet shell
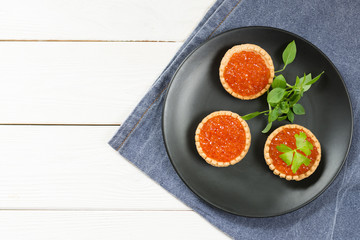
(213, 161)
(269, 160)
(250, 48)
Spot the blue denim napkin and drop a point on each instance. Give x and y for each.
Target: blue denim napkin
(334, 27)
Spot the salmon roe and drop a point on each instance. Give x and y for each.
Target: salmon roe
(222, 138)
(247, 73)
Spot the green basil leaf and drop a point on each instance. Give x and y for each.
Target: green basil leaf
(282, 118)
(276, 95)
(284, 107)
(279, 82)
(290, 116)
(302, 81)
(306, 88)
(267, 128)
(301, 92)
(297, 82)
(273, 115)
(273, 104)
(295, 97)
(307, 80)
(283, 148)
(287, 157)
(298, 160)
(279, 111)
(315, 79)
(289, 53)
(250, 115)
(298, 109)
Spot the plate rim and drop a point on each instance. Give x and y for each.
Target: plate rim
(347, 95)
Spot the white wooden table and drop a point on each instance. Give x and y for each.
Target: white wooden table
(69, 73)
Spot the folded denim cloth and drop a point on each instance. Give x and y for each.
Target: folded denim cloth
(334, 27)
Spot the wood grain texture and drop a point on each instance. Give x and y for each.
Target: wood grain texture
(77, 65)
(51, 82)
(90, 225)
(59, 167)
(100, 19)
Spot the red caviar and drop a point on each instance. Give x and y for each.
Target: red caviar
(222, 138)
(246, 73)
(286, 136)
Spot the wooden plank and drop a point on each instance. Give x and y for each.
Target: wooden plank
(101, 19)
(56, 167)
(109, 225)
(51, 82)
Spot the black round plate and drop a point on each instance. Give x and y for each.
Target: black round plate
(249, 188)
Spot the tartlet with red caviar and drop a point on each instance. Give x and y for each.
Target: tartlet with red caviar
(222, 138)
(290, 137)
(246, 71)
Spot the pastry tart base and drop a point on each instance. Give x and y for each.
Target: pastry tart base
(269, 160)
(249, 48)
(214, 162)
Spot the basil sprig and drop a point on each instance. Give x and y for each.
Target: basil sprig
(283, 98)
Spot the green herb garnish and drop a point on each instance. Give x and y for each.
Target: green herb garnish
(292, 156)
(283, 98)
(288, 55)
